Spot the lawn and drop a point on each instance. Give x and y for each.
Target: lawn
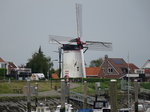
(105, 85)
(8, 87)
(145, 85)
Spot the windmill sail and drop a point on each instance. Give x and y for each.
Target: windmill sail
(98, 46)
(53, 39)
(79, 19)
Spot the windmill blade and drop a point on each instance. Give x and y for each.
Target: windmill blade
(79, 19)
(98, 46)
(53, 39)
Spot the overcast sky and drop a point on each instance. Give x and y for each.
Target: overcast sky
(26, 24)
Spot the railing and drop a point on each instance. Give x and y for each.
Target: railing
(147, 91)
(141, 90)
(80, 97)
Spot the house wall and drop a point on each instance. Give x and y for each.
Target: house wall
(2, 65)
(108, 69)
(147, 64)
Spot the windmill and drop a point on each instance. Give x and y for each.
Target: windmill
(72, 49)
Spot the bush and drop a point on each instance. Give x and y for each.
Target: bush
(96, 80)
(3, 72)
(145, 85)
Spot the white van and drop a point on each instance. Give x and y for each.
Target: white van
(37, 76)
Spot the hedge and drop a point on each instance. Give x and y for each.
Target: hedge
(3, 71)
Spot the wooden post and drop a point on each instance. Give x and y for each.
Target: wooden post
(136, 88)
(113, 96)
(36, 89)
(85, 95)
(97, 85)
(51, 82)
(68, 91)
(28, 96)
(62, 96)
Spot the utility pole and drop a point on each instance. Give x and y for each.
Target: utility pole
(59, 50)
(128, 83)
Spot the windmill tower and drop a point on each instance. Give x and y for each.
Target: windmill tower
(73, 48)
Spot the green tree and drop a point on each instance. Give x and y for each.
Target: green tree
(39, 63)
(96, 63)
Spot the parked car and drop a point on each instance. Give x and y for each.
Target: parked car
(37, 76)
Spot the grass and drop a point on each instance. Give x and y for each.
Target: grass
(90, 89)
(79, 89)
(145, 85)
(8, 87)
(4, 88)
(104, 86)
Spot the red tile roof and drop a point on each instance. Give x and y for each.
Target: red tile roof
(132, 67)
(54, 76)
(1, 60)
(93, 71)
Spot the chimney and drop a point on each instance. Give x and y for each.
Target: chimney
(106, 57)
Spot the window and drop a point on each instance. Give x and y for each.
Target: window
(77, 68)
(110, 70)
(124, 70)
(3, 65)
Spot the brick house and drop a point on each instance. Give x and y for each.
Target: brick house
(116, 68)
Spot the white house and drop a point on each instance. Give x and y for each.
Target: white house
(3, 64)
(7, 65)
(146, 65)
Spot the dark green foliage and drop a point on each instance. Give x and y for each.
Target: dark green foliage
(3, 72)
(96, 80)
(145, 85)
(39, 63)
(96, 63)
